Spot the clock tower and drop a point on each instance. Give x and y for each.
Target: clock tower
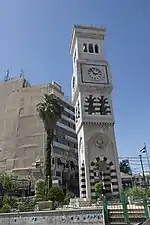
(94, 117)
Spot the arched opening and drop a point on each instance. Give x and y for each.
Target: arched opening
(72, 165)
(59, 163)
(85, 47)
(91, 48)
(103, 170)
(96, 49)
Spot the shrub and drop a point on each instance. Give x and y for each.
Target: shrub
(99, 189)
(9, 182)
(26, 205)
(68, 196)
(5, 209)
(11, 200)
(56, 194)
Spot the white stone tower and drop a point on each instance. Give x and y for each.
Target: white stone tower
(92, 98)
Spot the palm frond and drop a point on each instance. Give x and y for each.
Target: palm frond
(49, 108)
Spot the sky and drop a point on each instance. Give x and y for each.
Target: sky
(35, 36)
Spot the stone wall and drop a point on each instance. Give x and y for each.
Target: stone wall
(21, 136)
(57, 217)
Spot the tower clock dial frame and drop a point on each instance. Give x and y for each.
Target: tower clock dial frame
(92, 73)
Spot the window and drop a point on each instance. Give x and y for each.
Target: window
(21, 112)
(58, 174)
(74, 58)
(73, 82)
(91, 48)
(85, 47)
(96, 49)
(61, 130)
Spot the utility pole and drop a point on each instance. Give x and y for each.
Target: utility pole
(142, 167)
(131, 174)
(147, 157)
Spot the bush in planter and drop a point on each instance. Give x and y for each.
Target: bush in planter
(40, 190)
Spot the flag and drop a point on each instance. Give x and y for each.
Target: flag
(143, 150)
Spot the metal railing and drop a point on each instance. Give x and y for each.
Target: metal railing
(127, 210)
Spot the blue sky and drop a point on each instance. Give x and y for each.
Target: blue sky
(35, 35)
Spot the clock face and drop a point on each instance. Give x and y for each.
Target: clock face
(95, 73)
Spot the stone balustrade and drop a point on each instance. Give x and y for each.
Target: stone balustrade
(55, 217)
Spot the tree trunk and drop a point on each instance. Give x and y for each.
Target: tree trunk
(48, 174)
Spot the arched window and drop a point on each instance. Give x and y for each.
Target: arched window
(96, 49)
(72, 165)
(91, 48)
(73, 82)
(85, 47)
(59, 162)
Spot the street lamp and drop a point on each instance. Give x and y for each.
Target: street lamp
(140, 156)
(29, 182)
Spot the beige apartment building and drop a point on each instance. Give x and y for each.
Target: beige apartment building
(22, 136)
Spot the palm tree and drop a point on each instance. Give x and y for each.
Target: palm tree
(50, 111)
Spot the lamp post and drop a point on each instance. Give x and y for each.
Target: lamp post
(142, 167)
(29, 182)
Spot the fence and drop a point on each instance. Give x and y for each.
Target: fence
(127, 210)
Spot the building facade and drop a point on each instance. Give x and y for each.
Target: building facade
(22, 136)
(92, 97)
(135, 180)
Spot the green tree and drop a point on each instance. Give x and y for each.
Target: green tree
(40, 190)
(50, 111)
(9, 183)
(125, 167)
(137, 192)
(99, 189)
(56, 194)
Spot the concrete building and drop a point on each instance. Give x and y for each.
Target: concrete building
(22, 136)
(92, 97)
(135, 180)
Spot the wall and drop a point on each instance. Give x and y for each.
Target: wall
(66, 217)
(21, 136)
